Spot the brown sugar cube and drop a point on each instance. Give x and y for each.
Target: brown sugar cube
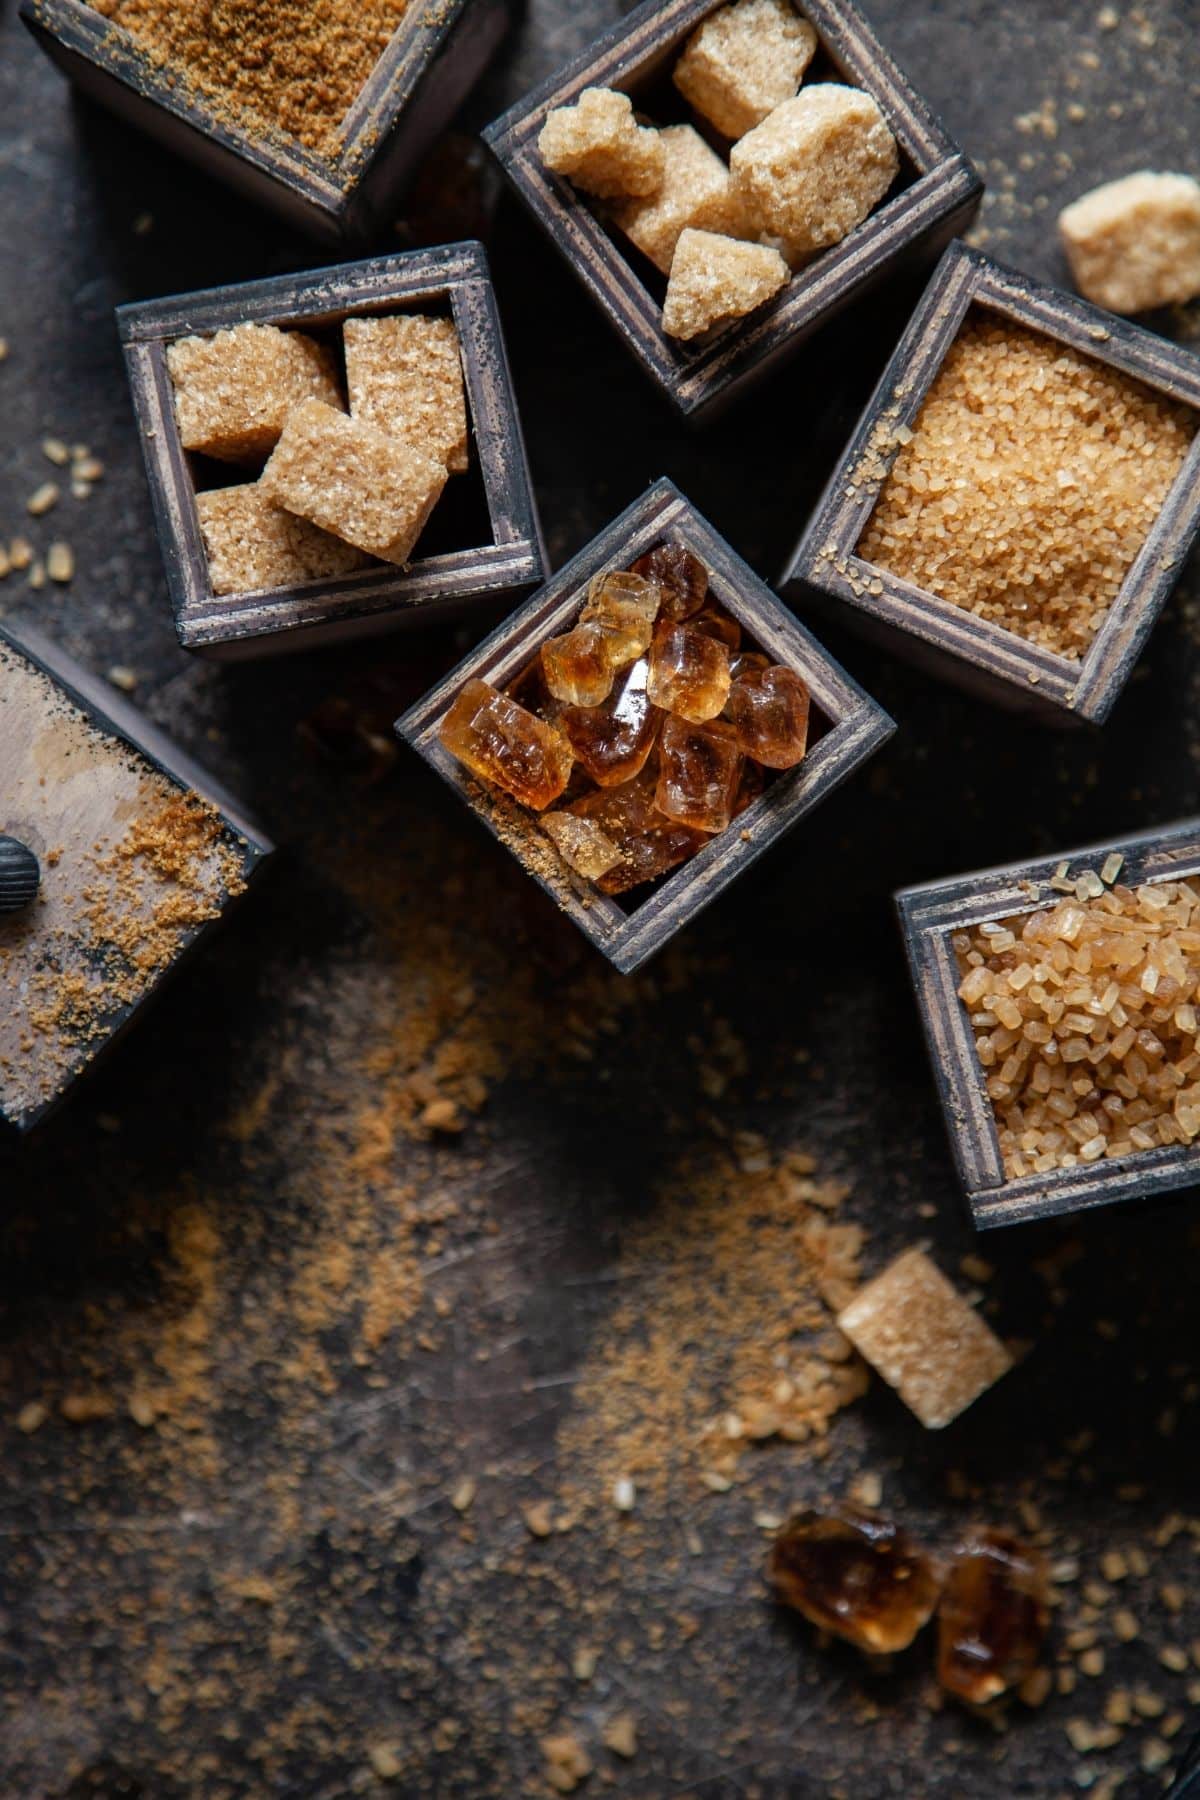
(743, 60)
(715, 279)
(369, 489)
(404, 376)
(599, 145)
(696, 190)
(915, 1328)
(1135, 244)
(253, 544)
(234, 391)
(816, 166)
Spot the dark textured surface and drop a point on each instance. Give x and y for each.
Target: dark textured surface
(336, 1316)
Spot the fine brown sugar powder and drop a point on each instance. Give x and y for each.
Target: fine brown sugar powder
(1029, 484)
(294, 67)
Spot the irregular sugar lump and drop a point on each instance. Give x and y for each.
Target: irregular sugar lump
(715, 279)
(1134, 244)
(696, 190)
(917, 1331)
(371, 490)
(599, 145)
(992, 1616)
(504, 743)
(856, 1574)
(252, 544)
(680, 577)
(743, 60)
(816, 166)
(404, 377)
(234, 391)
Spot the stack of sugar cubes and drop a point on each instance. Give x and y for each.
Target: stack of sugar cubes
(804, 167)
(336, 487)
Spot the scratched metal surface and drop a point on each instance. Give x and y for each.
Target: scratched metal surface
(332, 1319)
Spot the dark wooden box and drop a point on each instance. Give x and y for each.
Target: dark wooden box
(433, 60)
(453, 279)
(974, 653)
(854, 728)
(108, 714)
(929, 916)
(941, 197)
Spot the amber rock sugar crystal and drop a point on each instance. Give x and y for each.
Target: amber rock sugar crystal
(680, 577)
(581, 843)
(507, 745)
(599, 146)
(1086, 1023)
(857, 1575)
(699, 772)
(768, 709)
(650, 843)
(992, 1617)
(1028, 485)
(743, 60)
(612, 740)
(689, 671)
(234, 390)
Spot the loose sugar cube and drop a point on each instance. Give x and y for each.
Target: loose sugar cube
(234, 391)
(696, 190)
(743, 60)
(374, 491)
(495, 737)
(816, 166)
(715, 279)
(916, 1329)
(252, 544)
(581, 844)
(404, 376)
(599, 145)
(1135, 244)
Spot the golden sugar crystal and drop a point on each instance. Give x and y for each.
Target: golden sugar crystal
(581, 843)
(649, 842)
(505, 744)
(681, 579)
(689, 672)
(577, 667)
(914, 1327)
(404, 376)
(715, 279)
(252, 544)
(857, 1575)
(768, 709)
(992, 1617)
(613, 739)
(599, 145)
(816, 166)
(696, 190)
(375, 492)
(742, 60)
(234, 390)
(1134, 244)
(615, 626)
(699, 772)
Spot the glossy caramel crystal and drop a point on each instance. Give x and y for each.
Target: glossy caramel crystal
(505, 744)
(857, 1575)
(578, 666)
(581, 843)
(680, 577)
(715, 622)
(768, 709)
(615, 626)
(699, 769)
(613, 740)
(689, 672)
(992, 1617)
(649, 842)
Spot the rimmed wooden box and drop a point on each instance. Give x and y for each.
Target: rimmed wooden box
(848, 727)
(80, 767)
(930, 915)
(937, 195)
(491, 508)
(977, 654)
(434, 58)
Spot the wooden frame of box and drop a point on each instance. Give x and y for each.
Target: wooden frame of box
(909, 228)
(857, 727)
(382, 597)
(414, 89)
(109, 713)
(930, 914)
(983, 657)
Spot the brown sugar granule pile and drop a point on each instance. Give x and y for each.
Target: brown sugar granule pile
(294, 67)
(1030, 482)
(1086, 1024)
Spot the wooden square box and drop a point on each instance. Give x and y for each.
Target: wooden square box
(974, 653)
(433, 60)
(852, 728)
(938, 196)
(930, 914)
(128, 888)
(506, 557)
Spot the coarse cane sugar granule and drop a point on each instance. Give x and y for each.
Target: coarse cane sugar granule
(290, 67)
(1086, 1024)
(1029, 484)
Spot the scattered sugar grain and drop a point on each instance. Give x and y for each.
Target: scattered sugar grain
(43, 498)
(60, 562)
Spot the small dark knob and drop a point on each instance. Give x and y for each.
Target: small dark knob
(20, 875)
